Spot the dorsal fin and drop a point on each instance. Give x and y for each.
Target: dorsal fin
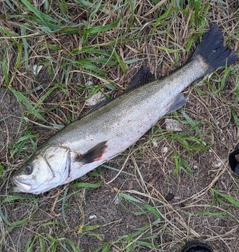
(142, 77)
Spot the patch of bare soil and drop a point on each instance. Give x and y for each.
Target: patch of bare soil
(10, 114)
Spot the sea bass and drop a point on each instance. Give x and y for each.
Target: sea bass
(109, 130)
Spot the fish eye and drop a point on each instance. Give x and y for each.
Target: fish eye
(28, 169)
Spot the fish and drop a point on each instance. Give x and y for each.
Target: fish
(110, 129)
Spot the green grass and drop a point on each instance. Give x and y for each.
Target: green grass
(85, 47)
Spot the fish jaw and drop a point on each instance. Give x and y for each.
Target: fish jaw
(21, 186)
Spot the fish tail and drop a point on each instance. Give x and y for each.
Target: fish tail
(212, 50)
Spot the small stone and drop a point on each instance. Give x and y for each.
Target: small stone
(173, 125)
(89, 83)
(155, 144)
(93, 100)
(217, 164)
(93, 216)
(195, 165)
(165, 149)
(36, 69)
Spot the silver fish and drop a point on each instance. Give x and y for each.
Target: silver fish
(109, 130)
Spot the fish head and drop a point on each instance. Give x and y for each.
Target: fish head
(46, 169)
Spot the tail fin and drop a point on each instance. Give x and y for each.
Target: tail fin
(212, 50)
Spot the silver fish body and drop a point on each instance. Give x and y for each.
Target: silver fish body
(106, 132)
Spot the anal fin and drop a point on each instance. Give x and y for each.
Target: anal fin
(177, 103)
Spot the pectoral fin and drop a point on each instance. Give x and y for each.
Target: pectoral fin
(177, 103)
(94, 154)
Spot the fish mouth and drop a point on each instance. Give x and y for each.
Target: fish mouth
(20, 186)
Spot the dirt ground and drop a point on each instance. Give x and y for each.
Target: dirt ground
(189, 203)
